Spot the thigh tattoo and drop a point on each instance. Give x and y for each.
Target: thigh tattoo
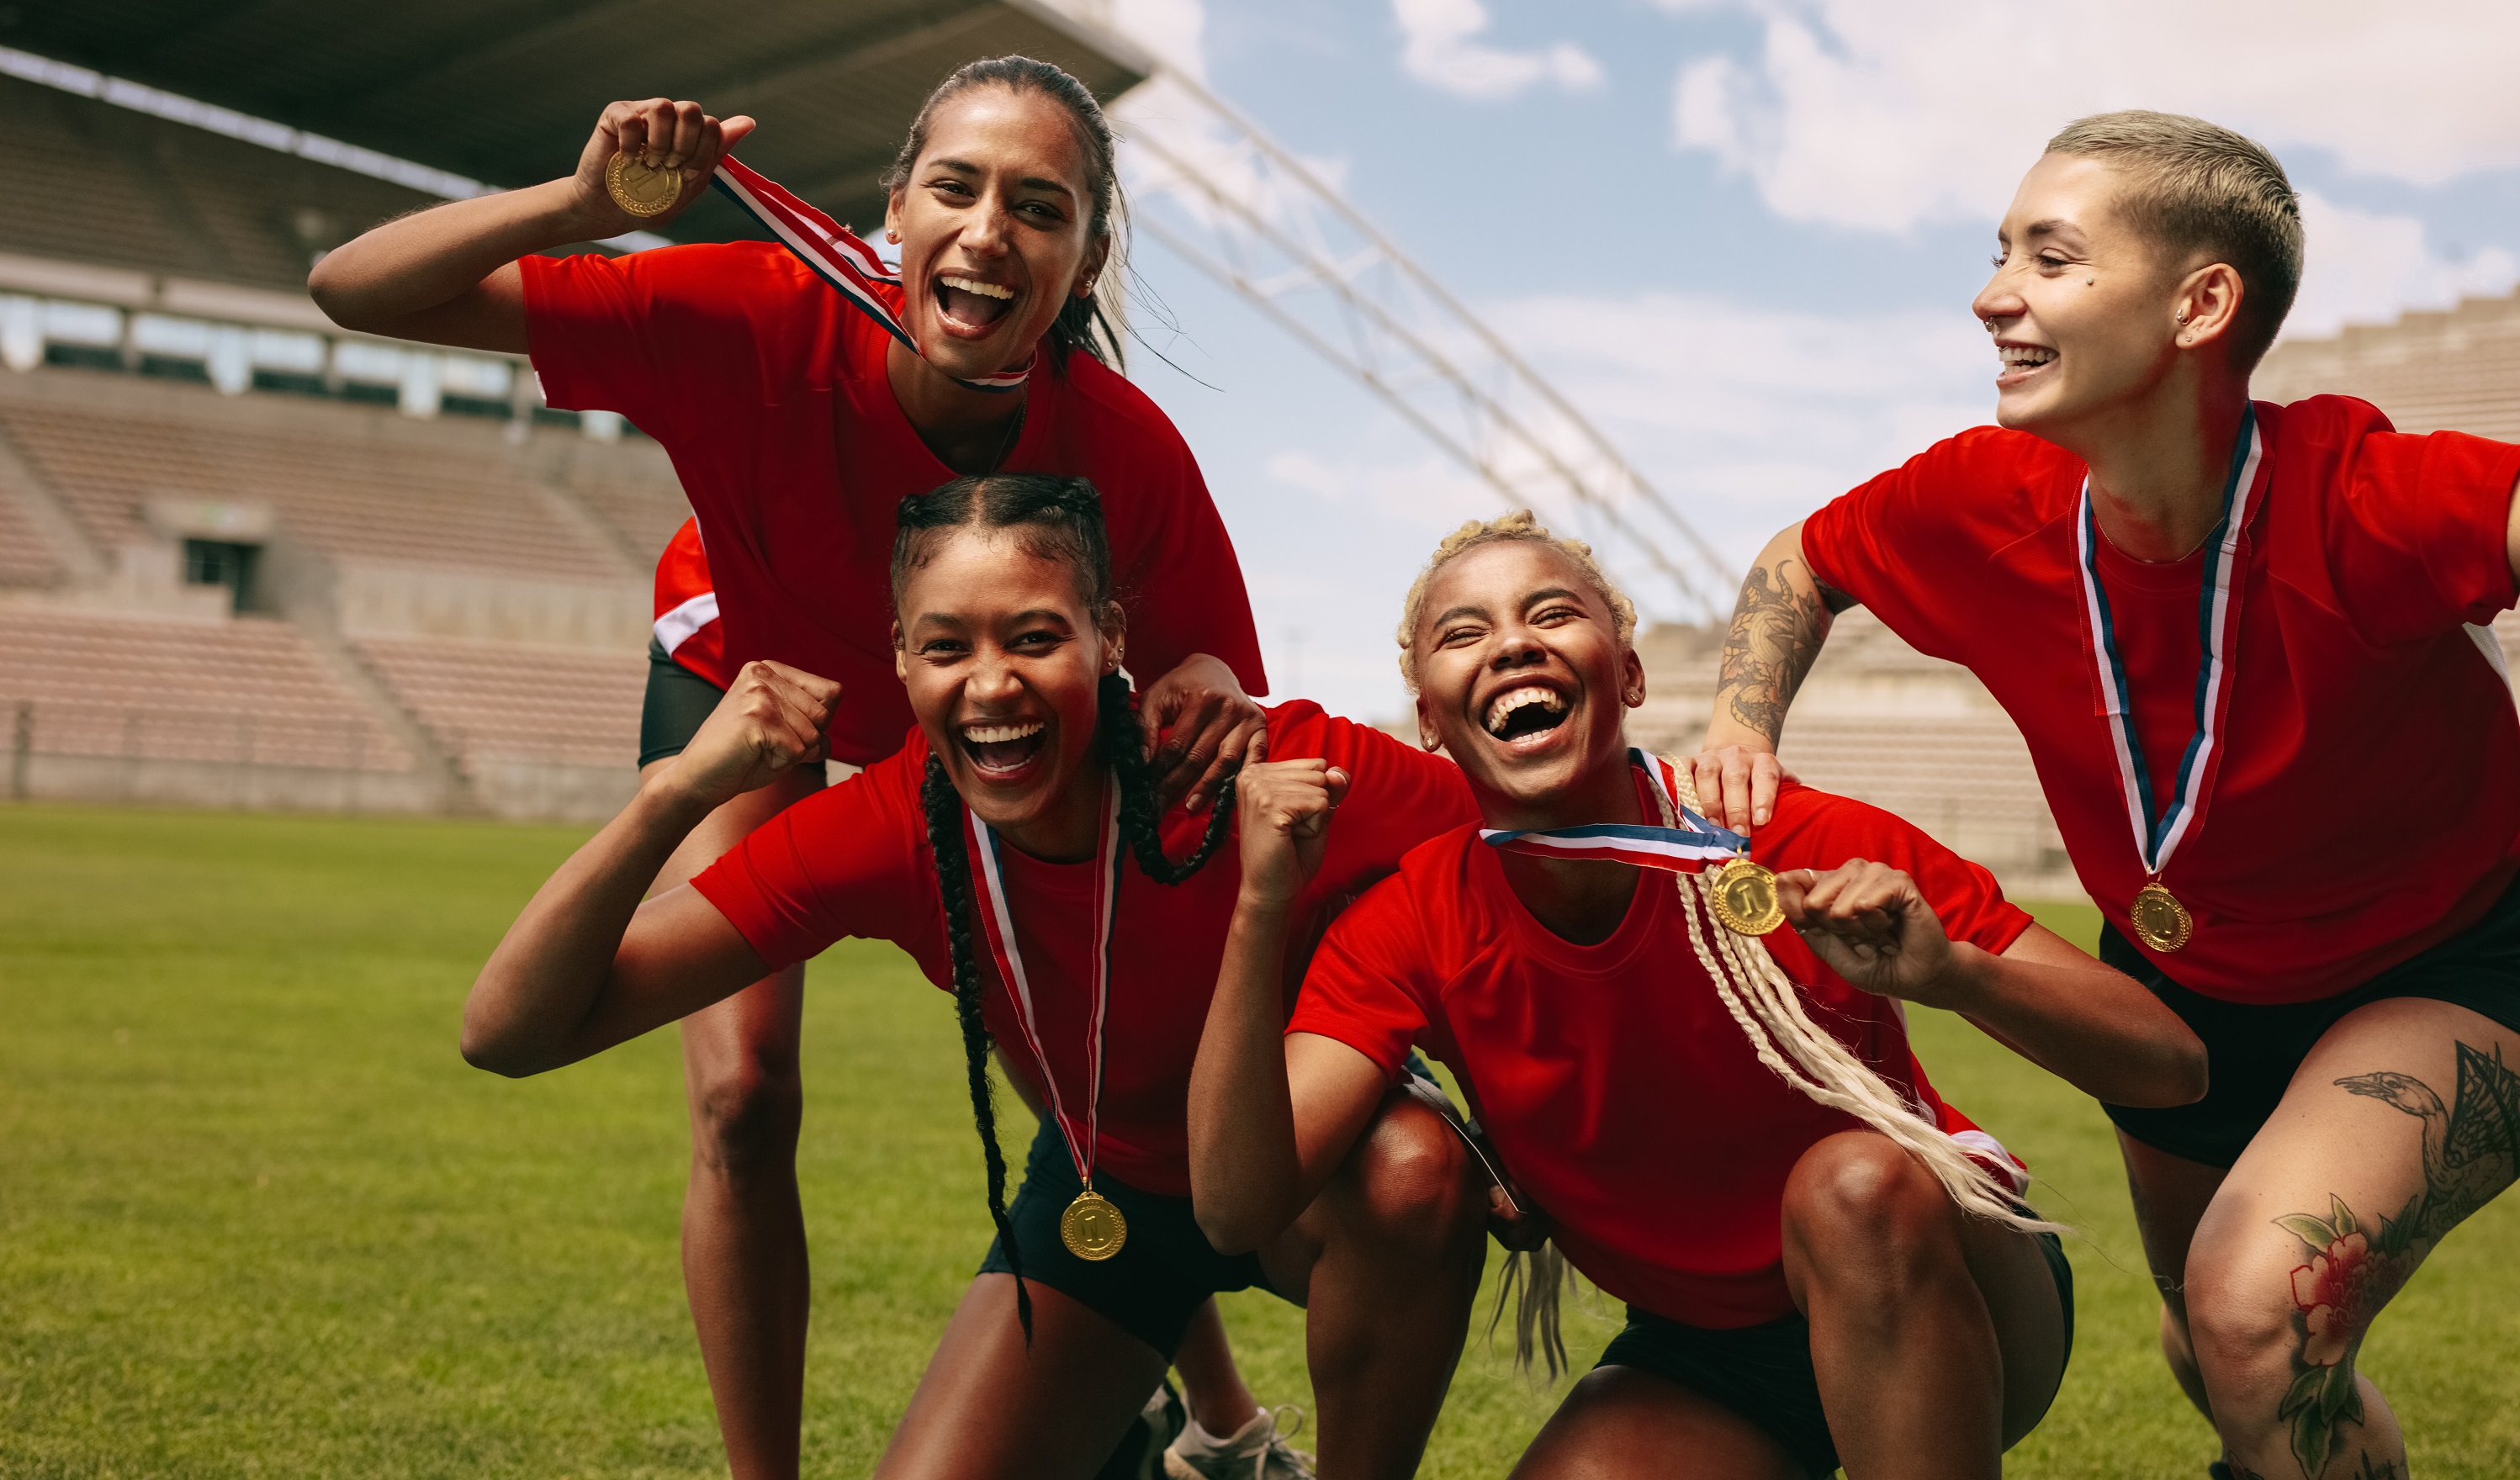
(2471, 1151)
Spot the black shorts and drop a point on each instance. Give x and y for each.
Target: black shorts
(677, 702)
(2252, 1051)
(1163, 1272)
(1763, 1373)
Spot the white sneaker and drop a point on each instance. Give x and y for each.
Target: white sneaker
(1257, 1451)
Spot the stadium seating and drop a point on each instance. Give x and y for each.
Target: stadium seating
(502, 702)
(243, 690)
(27, 559)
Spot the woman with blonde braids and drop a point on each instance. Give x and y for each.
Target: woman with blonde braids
(1823, 1264)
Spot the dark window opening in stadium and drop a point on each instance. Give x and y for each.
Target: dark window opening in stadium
(168, 367)
(290, 383)
(373, 395)
(217, 562)
(84, 356)
(475, 406)
(553, 417)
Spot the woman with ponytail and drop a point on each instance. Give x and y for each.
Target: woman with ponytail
(1824, 1263)
(801, 396)
(1016, 847)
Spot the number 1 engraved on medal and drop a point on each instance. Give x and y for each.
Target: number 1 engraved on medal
(1092, 1227)
(1745, 898)
(2158, 916)
(641, 190)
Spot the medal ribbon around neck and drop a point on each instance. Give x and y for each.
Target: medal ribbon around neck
(2218, 620)
(1685, 850)
(997, 923)
(1744, 894)
(839, 257)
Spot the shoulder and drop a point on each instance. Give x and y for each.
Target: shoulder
(2330, 420)
(1418, 910)
(1813, 828)
(1120, 416)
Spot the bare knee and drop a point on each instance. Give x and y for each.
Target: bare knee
(1407, 1184)
(745, 1118)
(2240, 1332)
(1857, 1206)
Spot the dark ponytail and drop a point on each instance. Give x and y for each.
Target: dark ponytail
(946, 840)
(1057, 519)
(1093, 323)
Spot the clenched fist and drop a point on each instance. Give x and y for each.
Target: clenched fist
(774, 718)
(662, 134)
(1283, 809)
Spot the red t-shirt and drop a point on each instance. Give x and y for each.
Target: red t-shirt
(853, 861)
(768, 391)
(2368, 796)
(687, 621)
(1621, 1095)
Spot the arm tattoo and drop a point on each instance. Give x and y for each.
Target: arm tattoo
(1777, 632)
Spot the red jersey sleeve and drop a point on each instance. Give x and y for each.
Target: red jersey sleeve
(2419, 532)
(1819, 830)
(850, 859)
(1368, 985)
(621, 334)
(1911, 545)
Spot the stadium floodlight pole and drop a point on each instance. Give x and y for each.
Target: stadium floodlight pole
(1442, 369)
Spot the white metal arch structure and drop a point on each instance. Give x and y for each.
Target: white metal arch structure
(1208, 185)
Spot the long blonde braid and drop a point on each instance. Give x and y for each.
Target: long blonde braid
(1768, 1009)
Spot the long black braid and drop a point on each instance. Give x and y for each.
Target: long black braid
(1060, 517)
(946, 839)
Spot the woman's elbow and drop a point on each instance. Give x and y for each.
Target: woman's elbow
(2179, 1076)
(1230, 1232)
(486, 1044)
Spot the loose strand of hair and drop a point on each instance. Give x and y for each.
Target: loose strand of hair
(945, 839)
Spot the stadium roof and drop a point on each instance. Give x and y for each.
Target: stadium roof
(504, 91)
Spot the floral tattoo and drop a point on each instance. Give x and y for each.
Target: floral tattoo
(2471, 1150)
(1777, 632)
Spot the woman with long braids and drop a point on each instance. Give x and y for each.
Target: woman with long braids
(1016, 848)
(803, 390)
(1823, 1264)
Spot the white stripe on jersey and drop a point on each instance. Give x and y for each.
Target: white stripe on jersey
(676, 627)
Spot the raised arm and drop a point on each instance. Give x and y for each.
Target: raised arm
(587, 965)
(448, 275)
(1271, 1116)
(1777, 628)
(2094, 1028)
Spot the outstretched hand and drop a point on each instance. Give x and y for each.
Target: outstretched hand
(660, 133)
(1202, 728)
(1869, 924)
(774, 718)
(1284, 808)
(1736, 785)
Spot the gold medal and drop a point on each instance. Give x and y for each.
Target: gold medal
(1745, 898)
(643, 190)
(1092, 1227)
(2159, 918)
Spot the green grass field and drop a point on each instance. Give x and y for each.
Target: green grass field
(256, 1218)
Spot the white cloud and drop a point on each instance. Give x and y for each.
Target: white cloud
(1854, 113)
(2367, 269)
(1441, 51)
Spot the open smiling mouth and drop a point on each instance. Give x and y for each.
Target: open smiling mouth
(971, 303)
(1000, 749)
(1525, 711)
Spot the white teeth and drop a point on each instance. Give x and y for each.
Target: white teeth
(973, 285)
(2018, 356)
(1530, 694)
(999, 735)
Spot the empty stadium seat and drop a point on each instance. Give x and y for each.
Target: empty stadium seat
(487, 701)
(241, 691)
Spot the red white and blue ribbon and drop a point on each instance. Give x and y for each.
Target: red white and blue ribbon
(997, 923)
(2158, 831)
(1686, 849)
(839, 257)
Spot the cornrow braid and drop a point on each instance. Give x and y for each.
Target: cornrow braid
(945, 839)
(1123, 743)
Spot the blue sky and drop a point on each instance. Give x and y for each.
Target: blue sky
(1742, 233)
